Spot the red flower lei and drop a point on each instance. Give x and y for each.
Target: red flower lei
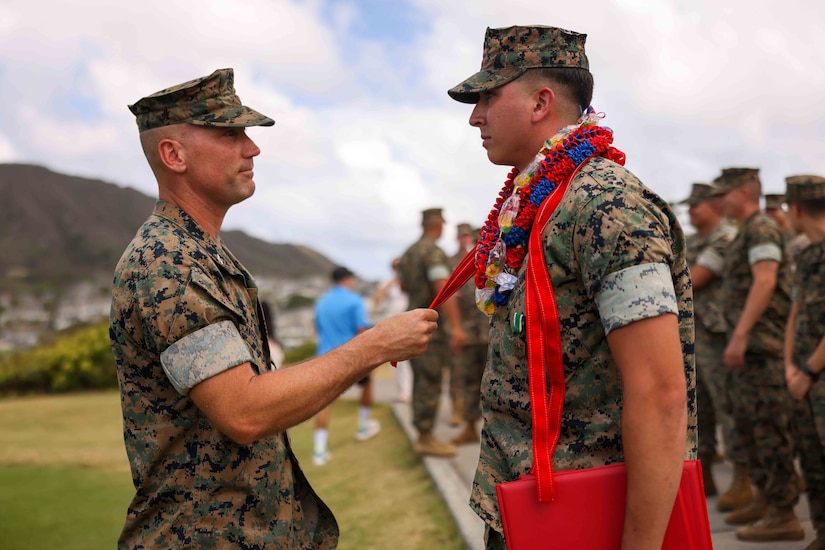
(558, 164)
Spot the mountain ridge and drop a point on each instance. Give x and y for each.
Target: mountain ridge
(57, 230)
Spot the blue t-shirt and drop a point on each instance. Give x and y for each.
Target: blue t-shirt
(339, 315)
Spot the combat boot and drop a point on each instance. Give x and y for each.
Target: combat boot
(707, 474)
(468, 435)
(780, 523)
(429, 445)
(754, 511)
(739, 493)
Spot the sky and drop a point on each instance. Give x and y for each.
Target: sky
(365, 134)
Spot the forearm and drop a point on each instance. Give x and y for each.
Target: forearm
(759, 296)
(648, 354)
(653, 433)
(246, 407)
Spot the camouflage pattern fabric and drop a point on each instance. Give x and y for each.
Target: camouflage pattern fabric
(196, 488)
(420, 259)
(509, 52)
(761, 402)
(428, 371)
(607, 223)
(768, 335)
(207, 101)
(809, 332)
(712, 377)
(470, 365)
(762, 418)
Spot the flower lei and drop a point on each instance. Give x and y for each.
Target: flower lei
(502, 245)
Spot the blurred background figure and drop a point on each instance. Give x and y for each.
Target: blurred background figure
(340, 315)
(391, 300)
(276, 350)
(469, 366)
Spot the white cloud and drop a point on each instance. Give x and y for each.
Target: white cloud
(365, 135)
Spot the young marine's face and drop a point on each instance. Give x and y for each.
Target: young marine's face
(700, 213)
(503, 117)
(220, 164)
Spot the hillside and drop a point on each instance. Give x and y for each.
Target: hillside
(56, 230)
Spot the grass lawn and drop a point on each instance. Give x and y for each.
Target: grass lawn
(65, 482)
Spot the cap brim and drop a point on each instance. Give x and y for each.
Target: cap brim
(469, 90)
(234, 116)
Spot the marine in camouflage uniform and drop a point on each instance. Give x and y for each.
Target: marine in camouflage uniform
(203, 407)
(423, 269)
(805, 342)
(474, 355)
(761, 403)
(616, 255)
(183, 310)
(705, 256)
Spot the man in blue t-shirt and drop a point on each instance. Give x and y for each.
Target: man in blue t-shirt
(340, 315)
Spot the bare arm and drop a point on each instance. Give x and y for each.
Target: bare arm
(247, 407)
(648, 354)
(701, 276)
(759, 296)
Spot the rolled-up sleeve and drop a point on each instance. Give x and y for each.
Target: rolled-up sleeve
(635, 293)
(203, 354)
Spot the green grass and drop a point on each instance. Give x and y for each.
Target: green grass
(65, 481)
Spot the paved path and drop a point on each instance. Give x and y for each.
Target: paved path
(454, 477)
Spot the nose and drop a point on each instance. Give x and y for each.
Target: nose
(477, 117)
(250, 148)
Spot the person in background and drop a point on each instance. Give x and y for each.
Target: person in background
(340, 315)
(706, 258)
(805, 340)
(276, 351)
(205, 413)
(469, 366)
(423, 271)
(756, 292)
(393, 300)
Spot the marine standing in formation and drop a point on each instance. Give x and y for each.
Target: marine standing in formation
(756, 290)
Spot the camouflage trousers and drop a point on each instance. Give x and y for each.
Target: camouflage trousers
(712, 397)
(427, 371)
(468, 371)
(761, 415)
(810, 439)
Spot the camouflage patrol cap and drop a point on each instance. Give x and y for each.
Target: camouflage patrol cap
(464, 229)
(732, 178)
(509, 52)
(699, 192)
(774, 202)
(205, 101)
(431, 213)
(804, 188)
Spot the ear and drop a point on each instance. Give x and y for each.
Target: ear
(543, 104)
(172, 155)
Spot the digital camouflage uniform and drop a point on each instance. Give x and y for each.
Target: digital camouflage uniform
(809, 332)
(183, 310)
(712, 376)
(761, 402)
(474, 354)
(616, 254)
(419, 267)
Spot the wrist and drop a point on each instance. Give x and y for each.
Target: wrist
(809, 372)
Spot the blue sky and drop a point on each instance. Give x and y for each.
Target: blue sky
(365, 135)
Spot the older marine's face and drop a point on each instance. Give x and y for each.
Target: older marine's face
(503, 116)
(220, 164)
